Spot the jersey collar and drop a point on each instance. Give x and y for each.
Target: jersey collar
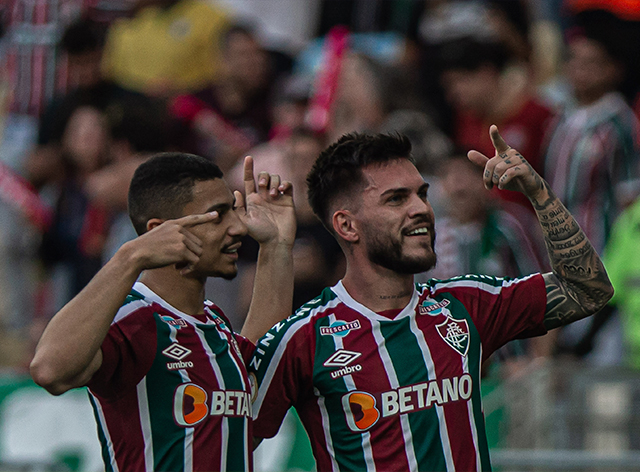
(348, 300)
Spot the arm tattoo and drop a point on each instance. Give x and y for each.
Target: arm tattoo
(579, 285)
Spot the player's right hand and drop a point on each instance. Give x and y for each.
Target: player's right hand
(171, 242)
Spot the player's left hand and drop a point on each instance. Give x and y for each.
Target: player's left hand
(507, 169)
(267, 209)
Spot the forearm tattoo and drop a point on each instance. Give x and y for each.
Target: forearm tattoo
(579, 285)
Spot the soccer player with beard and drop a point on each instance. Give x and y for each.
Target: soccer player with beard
(385, 373)
(166, 374)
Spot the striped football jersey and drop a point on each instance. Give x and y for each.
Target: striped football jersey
(401, 393)
(172, 392)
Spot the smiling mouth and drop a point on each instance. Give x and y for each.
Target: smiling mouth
(419, 232)
(232, 249)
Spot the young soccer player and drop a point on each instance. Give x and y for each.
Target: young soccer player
(166, 374)
(385, 373)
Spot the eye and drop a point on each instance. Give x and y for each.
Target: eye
(423, 195)
(397, 198)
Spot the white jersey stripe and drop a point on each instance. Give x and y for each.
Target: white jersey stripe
(444, 431)
(145, 423)
(472, 283)
(277, 355)
(105, 430)
(472, 423)
(326, 428)
(393, 380)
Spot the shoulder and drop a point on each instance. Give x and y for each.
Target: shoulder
(134, 305)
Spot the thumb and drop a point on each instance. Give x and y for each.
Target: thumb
(477, 158)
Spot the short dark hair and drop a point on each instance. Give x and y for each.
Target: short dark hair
(163, 185)
(338, 169)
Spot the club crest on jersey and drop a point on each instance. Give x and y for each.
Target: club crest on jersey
(456, 334)
(179, 323)
(433, 308)
(339, 328)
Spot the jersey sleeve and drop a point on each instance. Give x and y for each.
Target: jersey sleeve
(127, 354)
(503, 309)
(282, 366)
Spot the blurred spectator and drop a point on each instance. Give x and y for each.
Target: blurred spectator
(33, 68)
(481, 234)
(317, 258)
(232, 114)
(592, 160)
(82, 43)
(622, 260)
(481, 95)
(593, 165)
(72, 247)
(168, 47)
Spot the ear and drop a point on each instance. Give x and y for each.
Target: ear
(153, 222)
(345, 226)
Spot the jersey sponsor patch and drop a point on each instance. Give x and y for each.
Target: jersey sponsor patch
(339, 328)
(179, 323)
(433, 308)
(176, 351)
(363, 410)
(191, 404)
(456, 334)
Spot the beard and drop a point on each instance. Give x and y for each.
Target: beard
(386, 252)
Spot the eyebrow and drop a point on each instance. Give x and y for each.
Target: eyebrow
(391, 191)
(219, 207)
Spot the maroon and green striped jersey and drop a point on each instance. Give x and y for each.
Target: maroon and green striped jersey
(393, 393)
(172, 392)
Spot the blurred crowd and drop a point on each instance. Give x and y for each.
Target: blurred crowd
(91, 88)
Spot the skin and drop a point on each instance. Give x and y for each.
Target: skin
(174, 258)
(579, 285)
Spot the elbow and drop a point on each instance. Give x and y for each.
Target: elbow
(46, 377)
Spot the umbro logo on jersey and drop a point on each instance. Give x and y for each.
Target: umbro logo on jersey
(433, 308)
(456, 334)
(339, 328)
(176, 351)
(341, 358)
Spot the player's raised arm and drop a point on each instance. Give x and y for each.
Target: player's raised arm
(579, 285)
(267, 210)
(68, 353)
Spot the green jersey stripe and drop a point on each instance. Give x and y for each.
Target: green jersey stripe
(106, 443)
(392, 375)
(326, 428)
(351, 387)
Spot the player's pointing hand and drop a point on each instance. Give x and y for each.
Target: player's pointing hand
(507, 169)
(267, 208)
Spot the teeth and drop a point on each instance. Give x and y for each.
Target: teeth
(230, 251)
(419, 231)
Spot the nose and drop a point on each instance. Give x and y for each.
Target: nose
(236, 226)
(420, 207)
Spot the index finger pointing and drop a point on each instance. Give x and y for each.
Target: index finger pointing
(497, 140)
(249, 180)
(193, 220)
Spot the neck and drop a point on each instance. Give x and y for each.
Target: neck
(377, 288)
(184, 293)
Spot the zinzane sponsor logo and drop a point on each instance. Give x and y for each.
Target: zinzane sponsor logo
(362, 412)
(191, 404)
(339, 328)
